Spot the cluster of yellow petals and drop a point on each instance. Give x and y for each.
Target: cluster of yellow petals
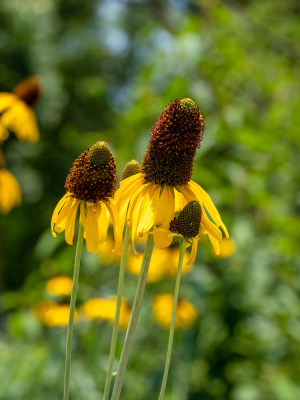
(17, 116)
(10, 190)
(186, 314)
(105, 309)
(151, 207)
(95, 218)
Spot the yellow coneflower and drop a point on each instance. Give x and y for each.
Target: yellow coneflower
(90, 186)
(52, 314)
(10, 190)
(105, 309)
(16, 111)
(164, 185)
(186, 313)
(59, 286)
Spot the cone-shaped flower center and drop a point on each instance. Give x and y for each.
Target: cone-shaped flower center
(93, 174)
(188, 221)
(29, 91)
(175, 137)
(131, 168)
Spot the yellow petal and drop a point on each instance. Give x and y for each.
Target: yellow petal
(164, 213)
(69, 230)
(103, 223)
(91, 229)
(62, 218)
(192, 257)
(147, 209)
(208, 204)
(56, 211)
(116, 224)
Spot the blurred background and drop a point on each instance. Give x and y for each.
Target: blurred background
(107, 70)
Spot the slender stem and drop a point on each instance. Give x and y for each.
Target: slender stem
(172, 326)
(118, 308)
(139, 294)
(72, 311)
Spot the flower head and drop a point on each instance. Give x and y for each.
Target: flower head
(150, 199)
(16, 111)
(90, 186)
(186, 313)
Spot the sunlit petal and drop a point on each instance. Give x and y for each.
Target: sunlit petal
(164, 213)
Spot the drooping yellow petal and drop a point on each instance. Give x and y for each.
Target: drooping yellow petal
(57, 210)
(164, 213)
(123, 195)
(215, 243)
(70, 223)
(192, 257)
(147, 209)
(210, 226)
(103, 223)
(116, 224)
(90, 226)
(133, 211)
(180, 200)
(208, 204)
(62, 218)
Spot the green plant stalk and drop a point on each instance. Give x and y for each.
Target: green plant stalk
(72, 311)
(116, 320)
(139, 294)
(172, 326)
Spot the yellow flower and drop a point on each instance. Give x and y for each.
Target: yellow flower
(59, 286)
(90, 187)
(186, 313)
(105, 309)
(150, 199)
(163, 262)
(16, 111)
(10, 190)
(52, 314)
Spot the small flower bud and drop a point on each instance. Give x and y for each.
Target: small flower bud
(99, 154)
(188, 221)
(131, 168)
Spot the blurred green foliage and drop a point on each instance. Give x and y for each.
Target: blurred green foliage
(107, 69)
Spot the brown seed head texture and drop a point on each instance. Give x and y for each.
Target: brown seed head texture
(93, 174)
(29, 91)
(188, 221)
(173, 143)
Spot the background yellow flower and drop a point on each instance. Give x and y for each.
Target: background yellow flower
(186, 313)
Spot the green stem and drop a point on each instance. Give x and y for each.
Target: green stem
(116, 321)
(172, 326)
(139, 294)
(72, 311)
